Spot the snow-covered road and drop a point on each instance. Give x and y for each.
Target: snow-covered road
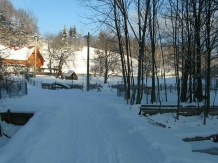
(71, 126)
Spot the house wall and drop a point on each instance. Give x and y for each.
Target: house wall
(74, 76)
(31, 61)
(9, 61)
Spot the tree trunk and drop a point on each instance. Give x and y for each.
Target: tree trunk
(152, 37)
(209, 49)
(197, 16)
(141, 40)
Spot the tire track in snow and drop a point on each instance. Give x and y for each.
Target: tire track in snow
(84, 133)
(119, 135)
(94, 134)
(77, 130)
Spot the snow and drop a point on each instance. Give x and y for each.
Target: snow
(20, 54)
(75, 126)
(78, 63)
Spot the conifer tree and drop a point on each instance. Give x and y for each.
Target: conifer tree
(73, 32)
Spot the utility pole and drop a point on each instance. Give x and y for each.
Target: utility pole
(87, 86)
(36, 37)
(88, 41)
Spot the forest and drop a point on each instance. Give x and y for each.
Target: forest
(161, 34)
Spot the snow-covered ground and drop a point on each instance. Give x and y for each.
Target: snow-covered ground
(75, 126)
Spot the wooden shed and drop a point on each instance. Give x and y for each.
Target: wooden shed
(71, 75)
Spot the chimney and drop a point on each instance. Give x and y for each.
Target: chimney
(16, 47)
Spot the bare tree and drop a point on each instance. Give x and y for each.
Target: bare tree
(51, 42)
(16, 25)
(114, 15)
(211, 43)
(107, 60)
(63, 52)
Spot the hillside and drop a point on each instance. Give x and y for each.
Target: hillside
(78, 63)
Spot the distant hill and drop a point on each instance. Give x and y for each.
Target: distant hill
(79, 63)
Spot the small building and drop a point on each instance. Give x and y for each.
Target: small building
(19, 60)
(71, 75)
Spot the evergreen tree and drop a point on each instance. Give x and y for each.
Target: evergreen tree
(73, 32)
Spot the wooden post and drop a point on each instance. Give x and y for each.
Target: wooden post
(0, 130)
(178, 98)
(26, 88)
(9, 116)
(87, 82)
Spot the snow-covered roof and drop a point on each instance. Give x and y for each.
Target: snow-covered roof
(16, 54)
(69, 73)
(21, 54)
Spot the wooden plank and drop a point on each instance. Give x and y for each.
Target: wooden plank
(199, 138)
(162, 106)
(186, 111)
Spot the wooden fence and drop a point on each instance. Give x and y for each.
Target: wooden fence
(189, 110)
(16, 118)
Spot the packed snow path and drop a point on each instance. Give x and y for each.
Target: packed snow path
(71, 127)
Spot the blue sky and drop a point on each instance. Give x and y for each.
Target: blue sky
(54, 14)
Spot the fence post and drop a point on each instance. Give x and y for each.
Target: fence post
(17, 87)
(9, 116)
(9, 91)
(26, 88)
(0, 130)
(7, 85)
